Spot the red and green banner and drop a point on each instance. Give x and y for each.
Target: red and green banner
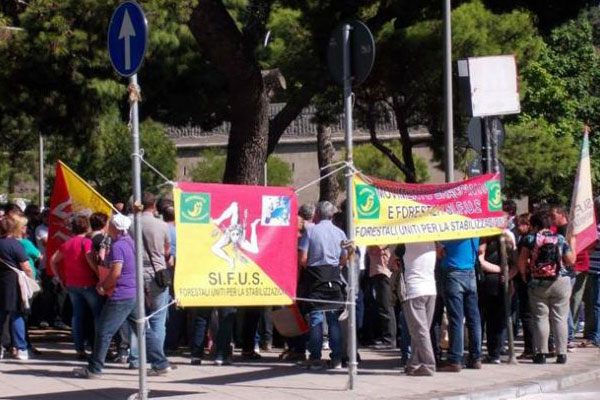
(387, 212)
(236, 245)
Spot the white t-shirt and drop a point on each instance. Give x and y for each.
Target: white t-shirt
(419, 269)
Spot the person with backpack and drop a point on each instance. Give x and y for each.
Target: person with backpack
(542, 259)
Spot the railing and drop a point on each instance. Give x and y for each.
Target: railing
(303, 125)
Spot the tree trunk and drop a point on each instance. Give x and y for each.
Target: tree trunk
(233, 54)
(407, 154)
(328, 187)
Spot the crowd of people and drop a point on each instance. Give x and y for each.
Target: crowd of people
(414, 298)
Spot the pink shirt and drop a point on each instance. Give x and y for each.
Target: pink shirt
(76, 270)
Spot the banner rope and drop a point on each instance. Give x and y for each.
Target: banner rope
(344, 164)
(146, 320)
(303, 299)
(135, 96)
(156, 171)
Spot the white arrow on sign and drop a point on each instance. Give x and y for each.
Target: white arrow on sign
(126, 33)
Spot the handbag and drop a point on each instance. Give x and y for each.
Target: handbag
(289, 321)
(29, 287)
(162, 278)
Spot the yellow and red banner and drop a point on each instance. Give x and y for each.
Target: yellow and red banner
(236, 245)
(71, 196)
(387, 212)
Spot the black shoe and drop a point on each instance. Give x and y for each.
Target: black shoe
(561, 359)
(196, 361)
(539, 358)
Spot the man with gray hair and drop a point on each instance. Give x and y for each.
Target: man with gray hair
(321, 256)
(307, 211)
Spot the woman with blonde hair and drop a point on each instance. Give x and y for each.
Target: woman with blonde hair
(20, 233)
(12, 255)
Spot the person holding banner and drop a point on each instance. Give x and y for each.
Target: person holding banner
(578, 275)
(419, 305)
(321, 255)
(460, 295)
(379, 275)
(121, 305)
(592, 325)
(156, 240)
(491, 287)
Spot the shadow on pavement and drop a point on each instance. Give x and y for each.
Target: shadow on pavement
(271, 372)
(100, 394)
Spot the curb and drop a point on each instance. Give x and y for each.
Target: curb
(553, 384)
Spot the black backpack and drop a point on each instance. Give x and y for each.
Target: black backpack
(546, 258)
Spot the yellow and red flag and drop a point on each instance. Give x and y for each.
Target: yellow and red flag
(236, 245)
(387, 212)
(71, 196)
(582, 220)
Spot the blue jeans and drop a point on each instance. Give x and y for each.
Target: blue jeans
(17, 328)
(315, 341)
(460, 295)
(79, 298)
(156, 298)
(225, 332)
(201, 323)
(114, 313)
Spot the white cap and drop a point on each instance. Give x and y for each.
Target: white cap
(121, 222)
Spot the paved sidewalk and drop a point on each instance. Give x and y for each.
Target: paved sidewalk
(49, 377)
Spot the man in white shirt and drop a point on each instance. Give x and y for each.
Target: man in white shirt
(419, 306)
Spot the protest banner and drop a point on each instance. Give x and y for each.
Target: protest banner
(236, 245)
(582, 219)
(71, 195)
(387, 212)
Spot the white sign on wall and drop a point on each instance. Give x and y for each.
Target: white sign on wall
(493, 84)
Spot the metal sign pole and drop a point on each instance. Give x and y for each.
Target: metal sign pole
(137, 198)
(352, 365)
(492, 135)
(449, 131)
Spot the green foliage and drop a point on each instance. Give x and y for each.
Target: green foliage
(562, 86)
(279, 172)
(106, 160)
(539, 162)
(212, 166)
(409, 60)
(370, 161)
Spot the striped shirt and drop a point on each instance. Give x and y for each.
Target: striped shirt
(595, 257)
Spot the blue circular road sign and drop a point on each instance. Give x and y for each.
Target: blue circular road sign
(127, 38)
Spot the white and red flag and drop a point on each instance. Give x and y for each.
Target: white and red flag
(582, 220)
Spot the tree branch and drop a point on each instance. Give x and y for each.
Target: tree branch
(410, 176)
(407, 155)
(289, 113)
(216, 31)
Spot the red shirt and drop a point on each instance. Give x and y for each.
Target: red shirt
(582, 262)
(76, 270)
